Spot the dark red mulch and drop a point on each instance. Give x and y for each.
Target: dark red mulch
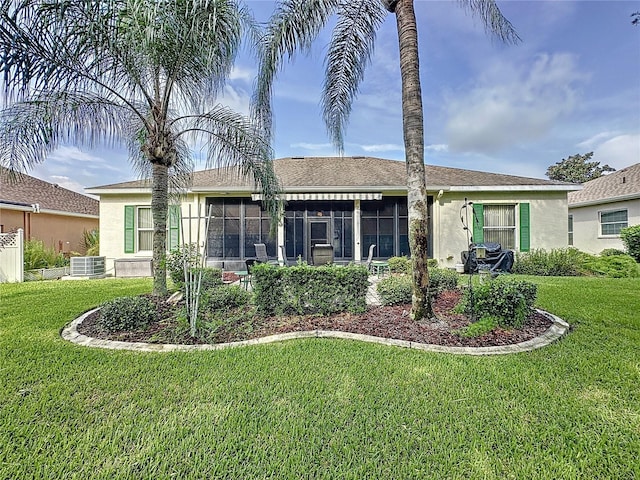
(387, 322)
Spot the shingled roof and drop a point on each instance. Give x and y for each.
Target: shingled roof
(349, 173)
(616, 186)
(25, 190)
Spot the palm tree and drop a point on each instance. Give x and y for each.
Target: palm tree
(296, 23)
(144, 73)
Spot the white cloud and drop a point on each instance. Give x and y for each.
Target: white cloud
(596, 140)
(619, 152)
(237, 99)
(69, 184)
(383, 147)
(510, 106)
(311, 146)
(440, 147)
(241, 73)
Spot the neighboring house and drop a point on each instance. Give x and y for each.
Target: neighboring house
(350, 203)
(47, 212)
(602, 208)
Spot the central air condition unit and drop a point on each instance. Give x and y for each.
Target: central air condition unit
(88, 266)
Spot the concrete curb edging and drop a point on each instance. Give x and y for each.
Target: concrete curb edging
(557, 330)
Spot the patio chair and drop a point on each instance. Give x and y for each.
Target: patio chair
(261, 254)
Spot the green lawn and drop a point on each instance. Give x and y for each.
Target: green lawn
(319, 408)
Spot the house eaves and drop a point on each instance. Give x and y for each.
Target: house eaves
(604, 201)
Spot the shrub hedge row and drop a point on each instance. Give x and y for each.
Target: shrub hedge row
(303, 289)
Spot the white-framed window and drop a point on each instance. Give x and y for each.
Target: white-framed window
(144, 229)
(612, 221)
(500, 225)
(570, 229)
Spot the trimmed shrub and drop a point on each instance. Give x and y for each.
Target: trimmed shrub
(441, 279)
(303, 289)
(395, 290)
(478, 328)
(398, 289)
(560, 262)
(399, 265)
(508, 300)
(631, 238)
(224, 297)
(126, 313)
(614, 266)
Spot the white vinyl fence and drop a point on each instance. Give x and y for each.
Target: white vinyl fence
(11, 256)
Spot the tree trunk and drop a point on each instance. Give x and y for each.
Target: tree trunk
(412, 119)
(159, 208)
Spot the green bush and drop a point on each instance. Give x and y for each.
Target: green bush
(614, 266)
(126, 313)
(399, 265)
(610, 252)
(561, 262)
(478, 328)
(631, 238)
(224, 298)
(441, 279)
(174, 262)
(395, 290)
(508, 300)
(303, 289)
(91, 242)
(37, 255)
(398, 289)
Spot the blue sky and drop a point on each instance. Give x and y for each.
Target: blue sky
(572, 86)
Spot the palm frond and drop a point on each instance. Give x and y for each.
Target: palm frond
(350, 51)
(494, 22)
(294, 25)
(32, 128)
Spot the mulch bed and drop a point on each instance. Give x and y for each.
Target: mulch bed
(384, 321)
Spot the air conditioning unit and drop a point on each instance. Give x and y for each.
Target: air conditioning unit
(88, 266)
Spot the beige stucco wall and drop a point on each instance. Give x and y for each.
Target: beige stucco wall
(586, 225)
(112, 224)
(548, 220)
(64, 233)
(548, 211)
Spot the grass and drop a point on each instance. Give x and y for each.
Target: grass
(319, 408)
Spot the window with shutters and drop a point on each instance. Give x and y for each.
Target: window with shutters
(500, 225)
(138, 228)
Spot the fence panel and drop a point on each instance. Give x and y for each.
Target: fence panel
(12, 257)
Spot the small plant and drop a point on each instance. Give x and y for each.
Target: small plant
(175, 260)
(37, 255)
(91, 242)
(557, 262)
(126, 313)
(224, 298)
(630, 236)
(478, 328)
(509, 301)
(395, 290)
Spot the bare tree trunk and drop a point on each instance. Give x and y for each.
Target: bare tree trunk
(412, 118)
(159, 208)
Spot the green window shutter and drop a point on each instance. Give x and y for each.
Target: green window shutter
(525, 228)
(478, 223)
(129, 229)
(174, 226)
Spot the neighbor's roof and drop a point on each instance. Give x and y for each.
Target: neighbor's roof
(351, 173)
(615, 187)
(24, 191)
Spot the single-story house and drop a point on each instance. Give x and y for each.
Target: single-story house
(47, 212)
(347, 202)
(602, 208)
